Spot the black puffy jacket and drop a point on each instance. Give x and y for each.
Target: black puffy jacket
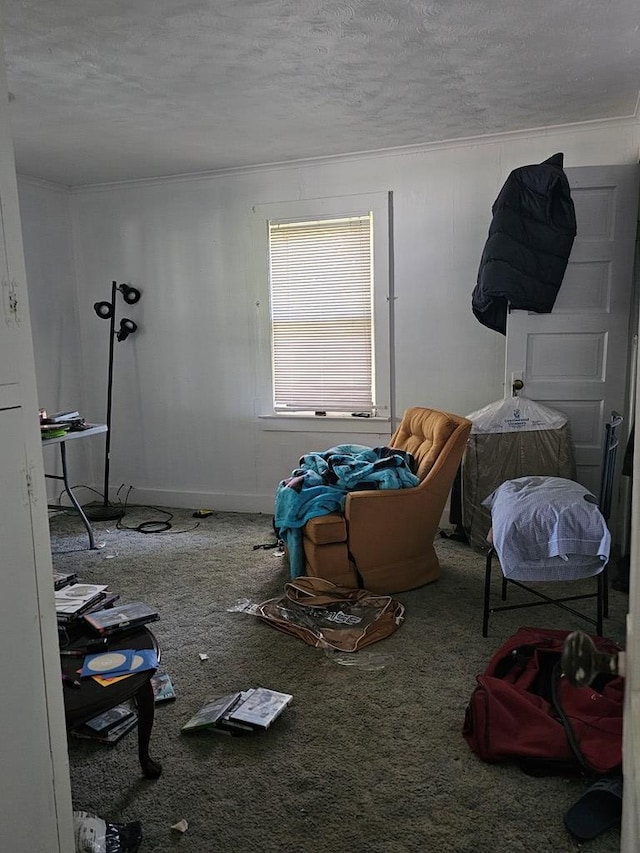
(529, 243)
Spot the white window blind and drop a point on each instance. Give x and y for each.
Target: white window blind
(321, 279)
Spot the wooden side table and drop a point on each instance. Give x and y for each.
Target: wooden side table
(90, 699)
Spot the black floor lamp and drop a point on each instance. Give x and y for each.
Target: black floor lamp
(107, 311)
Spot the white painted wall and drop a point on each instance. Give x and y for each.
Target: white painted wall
(46, 217)
(188, 386)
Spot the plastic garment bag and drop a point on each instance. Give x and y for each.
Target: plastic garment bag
(510, 438)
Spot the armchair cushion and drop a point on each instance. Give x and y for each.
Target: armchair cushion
(327, 528)
(424, 433)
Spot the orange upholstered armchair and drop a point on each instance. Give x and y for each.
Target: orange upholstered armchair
(384, 540)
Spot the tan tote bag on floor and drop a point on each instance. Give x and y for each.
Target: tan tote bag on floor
(332, 617)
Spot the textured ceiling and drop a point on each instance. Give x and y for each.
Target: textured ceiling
(111, 90)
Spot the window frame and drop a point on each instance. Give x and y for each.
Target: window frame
(335, 207)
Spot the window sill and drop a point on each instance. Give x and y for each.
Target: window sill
(303, 422)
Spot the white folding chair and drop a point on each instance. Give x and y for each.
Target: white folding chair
(548, 529)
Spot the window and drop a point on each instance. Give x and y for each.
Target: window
(321, 283)
(324, 301)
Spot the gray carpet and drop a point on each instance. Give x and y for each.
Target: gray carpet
(365, 759)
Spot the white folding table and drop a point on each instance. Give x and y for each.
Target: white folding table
(93, 429)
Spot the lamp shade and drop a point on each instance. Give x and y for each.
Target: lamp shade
(130, 294)
(127, 327)
(103, 309)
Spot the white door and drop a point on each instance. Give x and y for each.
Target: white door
(576, 359)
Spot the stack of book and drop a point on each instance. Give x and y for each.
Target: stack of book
(94, 604)
(110, 726)
(74, 598)
(64, 420)
(239, 713)
(60, 424)
(62, 417)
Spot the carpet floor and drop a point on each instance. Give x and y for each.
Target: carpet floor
(368, 758)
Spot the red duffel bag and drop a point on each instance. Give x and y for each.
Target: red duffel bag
(524, 709)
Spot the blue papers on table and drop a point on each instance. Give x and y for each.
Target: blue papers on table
(119, 662)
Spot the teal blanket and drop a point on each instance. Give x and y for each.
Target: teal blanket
(322, 481)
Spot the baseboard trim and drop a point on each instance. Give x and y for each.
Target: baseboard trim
(201, 500)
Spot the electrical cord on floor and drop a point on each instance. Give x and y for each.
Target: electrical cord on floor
(158, 526)
(70, 506)
(267, 546)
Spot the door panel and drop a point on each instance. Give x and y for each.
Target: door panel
(575, 359)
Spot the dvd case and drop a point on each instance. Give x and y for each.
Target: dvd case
(108, 719)
(61, 579)
(234, 727)
(121, 617)
(111, 735)
(75, 598)
(102, 604)
(261, 708)
(240, 713)
(210, 713)
(163, 690)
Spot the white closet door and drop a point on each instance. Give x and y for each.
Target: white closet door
(26, 756)
(35, 792)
